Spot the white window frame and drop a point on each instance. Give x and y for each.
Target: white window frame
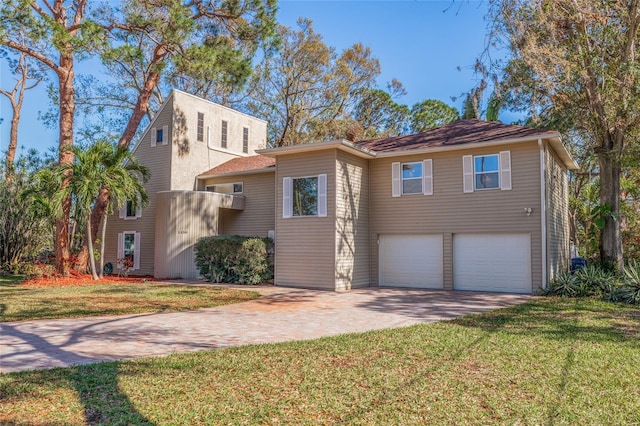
(469, 172)
(477, 173)
(287, 196)
(136, 249)
(123, 211)
(397, 180)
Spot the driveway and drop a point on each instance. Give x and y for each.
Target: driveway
(280, 314)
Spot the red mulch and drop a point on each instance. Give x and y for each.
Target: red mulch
(76, 279)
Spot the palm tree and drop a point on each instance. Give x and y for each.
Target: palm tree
(103, 165)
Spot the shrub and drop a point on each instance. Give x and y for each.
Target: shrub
(234, 259)
(594, 281)
(565, 285)
(629, 290)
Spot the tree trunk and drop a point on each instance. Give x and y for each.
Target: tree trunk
(102, 237)
(610, 240)
(67, 108)
(91, 256)
(13, 140)
(140, 110)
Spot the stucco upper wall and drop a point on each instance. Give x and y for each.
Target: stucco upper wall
(305, 246)
(258, 216)
(191, 157)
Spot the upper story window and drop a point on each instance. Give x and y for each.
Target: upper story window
(226, 188)
(223, 135)
(245, 140)
(159, 135)
(200, 135)
(486, 171)
(304, 196)
(129, 211)
(412, 178)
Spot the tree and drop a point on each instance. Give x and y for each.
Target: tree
(579, 56)
(28, 77)
(55, 30)
(379, 115)
(102, 166)
(431, 113)
(305, 89)
(197, 41)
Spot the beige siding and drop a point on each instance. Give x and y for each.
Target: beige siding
(305, 246)
(258, 216)
(184, 217)
(352, 222)
(191, 157)
(449, 211)
(557, 215)
(157, 159)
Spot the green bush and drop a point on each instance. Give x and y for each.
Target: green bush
(234, 259)
(565, 285)
(629, 289)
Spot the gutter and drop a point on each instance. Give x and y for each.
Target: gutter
(543, 213)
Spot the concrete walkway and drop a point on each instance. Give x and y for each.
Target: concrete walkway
(281, 314)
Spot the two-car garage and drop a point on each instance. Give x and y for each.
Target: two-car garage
(481, 262)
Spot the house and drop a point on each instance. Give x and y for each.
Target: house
(471, 205)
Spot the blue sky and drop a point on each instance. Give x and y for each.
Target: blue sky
(430, 46)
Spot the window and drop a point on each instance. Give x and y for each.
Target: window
(304, 196)
(159, 135)
(486, 172)
(412, 178)
(129, 250)
(245, 140)
(128, 211)
(226, 188)
(223, 136)
(200, 135)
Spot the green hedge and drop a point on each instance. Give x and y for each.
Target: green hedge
(234, 259)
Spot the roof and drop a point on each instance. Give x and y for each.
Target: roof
(454, 134)
(242, 165)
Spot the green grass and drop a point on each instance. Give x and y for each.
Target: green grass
(19, 303)
(550, 361)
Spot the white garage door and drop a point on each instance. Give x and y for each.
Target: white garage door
(492, 262)
(411, 261)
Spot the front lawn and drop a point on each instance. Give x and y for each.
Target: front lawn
(550, 361)
(26, 302)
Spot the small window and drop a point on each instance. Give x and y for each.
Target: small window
(486, 169)
(159, 136)
(130, 211)
(200, 127)
(245, 140)
(226, 188)
(129, 251)
(412, 178)
(223, 136)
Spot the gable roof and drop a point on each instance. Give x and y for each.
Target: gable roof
(242, 165)
(460, 132)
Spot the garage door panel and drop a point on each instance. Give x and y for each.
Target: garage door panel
(411, 261)
(492, 262)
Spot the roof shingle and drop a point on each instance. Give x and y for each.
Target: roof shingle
(456, 133)
(242, 164)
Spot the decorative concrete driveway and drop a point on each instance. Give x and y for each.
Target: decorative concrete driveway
(281, 314)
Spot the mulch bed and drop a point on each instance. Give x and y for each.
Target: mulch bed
(77, 279)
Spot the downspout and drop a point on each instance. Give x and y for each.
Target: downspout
(543, 213)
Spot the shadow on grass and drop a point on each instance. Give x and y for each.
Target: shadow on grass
(96, 385)
(559, 319)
